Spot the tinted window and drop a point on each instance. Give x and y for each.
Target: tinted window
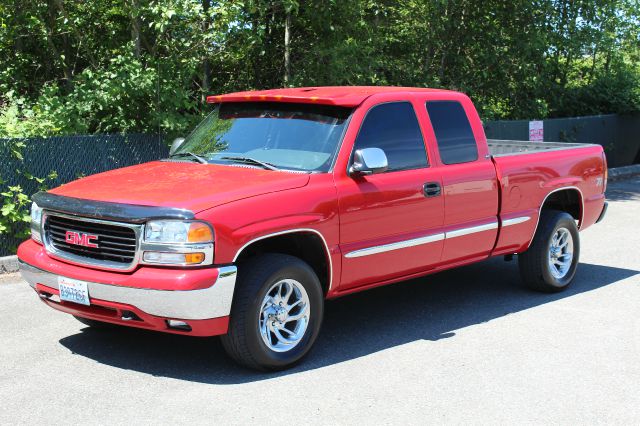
(453, 132)
(394, 128)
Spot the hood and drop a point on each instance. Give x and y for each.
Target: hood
(191, 186)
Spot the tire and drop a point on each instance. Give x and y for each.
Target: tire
(93, 323)
(250, 341)
(540, 266)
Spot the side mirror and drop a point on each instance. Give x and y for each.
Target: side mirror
(368, 161)
(177, 143)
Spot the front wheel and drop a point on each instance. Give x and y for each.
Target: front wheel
(551, 261)
(276, 313)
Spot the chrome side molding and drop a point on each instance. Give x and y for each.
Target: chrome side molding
(515, 220)
(435, 237)
(396, 246)
(471, 230)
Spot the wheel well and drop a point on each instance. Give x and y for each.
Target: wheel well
(304, 245)
(566, 200)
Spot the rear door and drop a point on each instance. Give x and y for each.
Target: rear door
(469, 181)
(389, 222)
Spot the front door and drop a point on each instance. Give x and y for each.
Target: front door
(390, 222)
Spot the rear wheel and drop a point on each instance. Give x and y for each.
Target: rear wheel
(276, 314)
(551, 261)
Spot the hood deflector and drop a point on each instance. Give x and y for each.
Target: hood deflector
(108, 211)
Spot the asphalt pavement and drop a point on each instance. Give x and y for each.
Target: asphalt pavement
(465, 346)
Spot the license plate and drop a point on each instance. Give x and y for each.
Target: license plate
(75, 291)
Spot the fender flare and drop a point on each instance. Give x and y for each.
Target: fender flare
(294, 231)
(544, 200)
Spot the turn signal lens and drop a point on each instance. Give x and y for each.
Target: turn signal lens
(199, 233)
(193, 258)
(173, 258)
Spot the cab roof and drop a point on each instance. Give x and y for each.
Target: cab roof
(346, 96)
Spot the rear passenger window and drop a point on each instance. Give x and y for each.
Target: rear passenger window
(453, 132)
(393, 127)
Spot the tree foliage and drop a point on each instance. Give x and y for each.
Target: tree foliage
(146, 65)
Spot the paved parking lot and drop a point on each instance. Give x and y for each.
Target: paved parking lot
(464, 346)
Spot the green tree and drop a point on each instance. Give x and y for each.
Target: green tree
(147, 65)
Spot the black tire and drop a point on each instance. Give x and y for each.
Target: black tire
(93, 323)
(256, 276)
(534, 263)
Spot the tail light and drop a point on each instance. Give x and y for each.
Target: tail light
(606, 172)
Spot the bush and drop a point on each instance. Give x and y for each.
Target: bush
(15, 205)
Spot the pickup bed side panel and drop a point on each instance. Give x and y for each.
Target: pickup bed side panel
(527, 179)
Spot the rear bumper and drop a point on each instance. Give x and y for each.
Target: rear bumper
(603, 212)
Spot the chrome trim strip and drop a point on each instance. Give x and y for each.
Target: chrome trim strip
(471, 230)
(464, 231)
(291, 231)
(422, 240)
(211, 302)
(515, 221)
(460, 232)
(396, 246)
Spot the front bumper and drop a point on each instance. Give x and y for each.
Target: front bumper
(203, 312)
(152, 296)
(207, 303)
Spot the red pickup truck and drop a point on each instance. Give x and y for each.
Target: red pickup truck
(283, 198)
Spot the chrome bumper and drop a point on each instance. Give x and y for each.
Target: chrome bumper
(603, 212)
(212, 302)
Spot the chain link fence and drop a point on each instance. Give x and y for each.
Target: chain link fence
(72, 157)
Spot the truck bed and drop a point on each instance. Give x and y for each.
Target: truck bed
(500, 148)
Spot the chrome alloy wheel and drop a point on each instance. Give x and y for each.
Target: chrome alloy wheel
(284, 315)
(560, 253)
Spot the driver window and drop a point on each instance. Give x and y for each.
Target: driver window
(393, 127)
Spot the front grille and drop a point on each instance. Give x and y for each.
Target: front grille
(115, 243)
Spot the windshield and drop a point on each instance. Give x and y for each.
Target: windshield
(287, 136)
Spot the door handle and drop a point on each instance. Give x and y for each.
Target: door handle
(431, 189)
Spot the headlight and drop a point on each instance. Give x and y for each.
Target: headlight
(179, 243)
(36, 220)
(173, 231)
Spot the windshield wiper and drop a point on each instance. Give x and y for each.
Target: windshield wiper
(249, 160)
(191, 154)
